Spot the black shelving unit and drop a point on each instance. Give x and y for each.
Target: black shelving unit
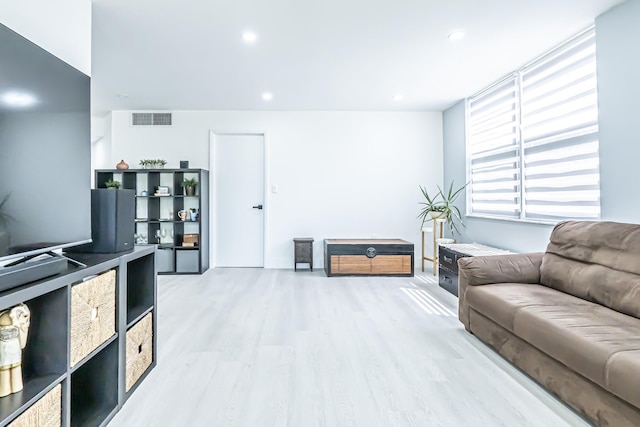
(159, 213)
(93, 389)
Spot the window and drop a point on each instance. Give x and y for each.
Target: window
(532, 139)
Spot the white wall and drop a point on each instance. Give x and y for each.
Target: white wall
(339, 174)
(100, 145)
(617, 38)
(62, 28)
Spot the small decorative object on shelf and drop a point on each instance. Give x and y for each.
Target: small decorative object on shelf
(112, 184)
(184, 164)
(122, 165)
(161, 190)
(190, 240)
(190, 185)
(14, 328)
(152, 163)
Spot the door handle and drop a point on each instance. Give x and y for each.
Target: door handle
(258, 207)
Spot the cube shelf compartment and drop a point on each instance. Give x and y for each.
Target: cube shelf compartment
(140, 351)
(47, 411)
(44, 359)
(93, 314)
(140, 287)
(94, 388)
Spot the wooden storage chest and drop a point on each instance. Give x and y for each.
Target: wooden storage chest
(368, 257)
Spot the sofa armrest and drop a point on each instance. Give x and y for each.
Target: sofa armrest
(484, 270)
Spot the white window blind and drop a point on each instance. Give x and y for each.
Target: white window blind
(533, 139)
(494, 150)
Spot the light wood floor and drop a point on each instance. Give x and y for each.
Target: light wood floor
(254, 347)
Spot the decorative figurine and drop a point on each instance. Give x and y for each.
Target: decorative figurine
(14, 328)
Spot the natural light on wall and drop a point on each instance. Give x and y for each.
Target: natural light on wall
(532, 139)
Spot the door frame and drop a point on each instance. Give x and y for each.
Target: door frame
(213, 141)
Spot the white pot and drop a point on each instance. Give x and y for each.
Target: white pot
(438, 215)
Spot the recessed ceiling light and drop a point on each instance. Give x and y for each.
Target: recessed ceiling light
(397, 97)
(19, 99)
(249, 37)
(456, 35)
(267, 96)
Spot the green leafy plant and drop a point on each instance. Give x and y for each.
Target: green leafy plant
(443, 202)
(190, 185)
(190, 182)
(112, 184)
(152, 163)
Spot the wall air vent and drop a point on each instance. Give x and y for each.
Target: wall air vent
(151, 119)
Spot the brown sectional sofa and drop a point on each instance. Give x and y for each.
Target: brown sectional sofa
(569, 317)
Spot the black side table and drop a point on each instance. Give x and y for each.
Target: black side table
(303, 252)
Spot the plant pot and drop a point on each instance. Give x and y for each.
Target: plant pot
(191, 191)
(438, 215)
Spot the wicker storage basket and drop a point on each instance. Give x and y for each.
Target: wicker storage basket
(46, 412)
(93, 314)
(139, 349)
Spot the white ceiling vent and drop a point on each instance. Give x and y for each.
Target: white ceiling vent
(151, 119)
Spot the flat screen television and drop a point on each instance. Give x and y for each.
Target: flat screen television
(45, 151)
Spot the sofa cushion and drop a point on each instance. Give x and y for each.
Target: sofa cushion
(500, 302)
(596, 261)
(623, 376)
(582, 337)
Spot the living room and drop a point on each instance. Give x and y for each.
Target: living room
(343, 166)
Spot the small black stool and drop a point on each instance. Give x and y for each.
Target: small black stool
(303, 252)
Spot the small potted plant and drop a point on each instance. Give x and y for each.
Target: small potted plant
(190, 185)
(441, 206)
(112, 184)
(160, 163)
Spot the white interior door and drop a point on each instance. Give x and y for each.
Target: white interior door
(239, 200)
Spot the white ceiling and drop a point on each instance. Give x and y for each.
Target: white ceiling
(320, 55)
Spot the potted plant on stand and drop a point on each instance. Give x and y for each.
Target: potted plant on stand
(441, 206)
(190, 185)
